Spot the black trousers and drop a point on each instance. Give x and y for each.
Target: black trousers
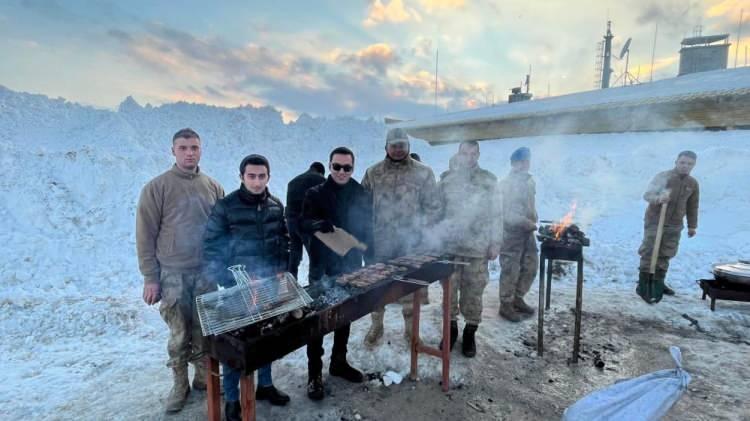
(315, 350)
(296, 243)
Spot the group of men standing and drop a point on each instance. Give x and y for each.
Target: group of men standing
(188, 233)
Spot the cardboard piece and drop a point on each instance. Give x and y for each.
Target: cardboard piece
(340, 241)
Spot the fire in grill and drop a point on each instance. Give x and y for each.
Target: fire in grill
(250, 301)
(561, 235)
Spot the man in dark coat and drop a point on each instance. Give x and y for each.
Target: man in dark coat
(247, 228)
(295, 194)
(339, 202)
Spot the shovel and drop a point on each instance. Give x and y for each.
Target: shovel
(652, 289)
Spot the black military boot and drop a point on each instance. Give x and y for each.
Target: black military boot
(662, 275)
(340, 368)
(272, 395)
(454, 335)
(469, 345)
(232, 411)
(315, 390)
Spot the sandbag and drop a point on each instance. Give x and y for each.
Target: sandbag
(648, 397)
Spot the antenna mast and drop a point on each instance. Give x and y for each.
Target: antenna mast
(653, 54)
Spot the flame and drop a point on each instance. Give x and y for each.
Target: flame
(560, 227)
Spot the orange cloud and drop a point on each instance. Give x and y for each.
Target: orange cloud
(729, 9)
(432, 5)
(393, 12)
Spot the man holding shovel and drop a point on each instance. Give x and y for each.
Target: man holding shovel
(672, 195)
(337, 215)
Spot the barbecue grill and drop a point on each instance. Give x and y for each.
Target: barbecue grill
(560, 242)
(258, 344)
(731, 282)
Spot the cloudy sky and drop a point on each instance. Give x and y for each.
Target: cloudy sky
(346, 57)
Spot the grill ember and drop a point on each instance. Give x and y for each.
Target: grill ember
(560, 235)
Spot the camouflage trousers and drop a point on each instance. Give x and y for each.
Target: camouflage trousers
(670, 242)
(467, 287)
(178, 291)
(518, 268)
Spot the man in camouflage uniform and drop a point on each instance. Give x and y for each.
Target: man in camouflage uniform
(680, 192)
(471, 226)
(172, 212)
(518, 252)
(405, 202)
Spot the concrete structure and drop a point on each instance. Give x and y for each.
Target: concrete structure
(708, 100)
(704, 53)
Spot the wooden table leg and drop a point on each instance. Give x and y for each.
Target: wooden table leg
(213, 397)
(247, 397)
(414, 345)
(579, 310)
(446, 333)
(540, 320)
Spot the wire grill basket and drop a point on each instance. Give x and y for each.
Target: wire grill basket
(248, 302)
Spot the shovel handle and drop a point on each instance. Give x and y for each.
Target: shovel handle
(657, 240)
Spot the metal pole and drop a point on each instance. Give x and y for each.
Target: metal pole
(579, 305)
(653, 54)
(540, 320)
(625, 76)
(437, 52)
(739, 30)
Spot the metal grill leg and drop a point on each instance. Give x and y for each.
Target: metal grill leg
(247, 397)
(579, 305)
(414, 345)
(213, 397)
(540, 320)
(446, 333)
(549, 284)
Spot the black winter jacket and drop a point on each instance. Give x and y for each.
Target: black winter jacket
(246, 229)
(348, 207)
(296, 189)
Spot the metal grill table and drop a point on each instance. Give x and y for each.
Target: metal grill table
(553, 251)
(252, 349)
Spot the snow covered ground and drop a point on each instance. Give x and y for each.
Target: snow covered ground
(78, 342)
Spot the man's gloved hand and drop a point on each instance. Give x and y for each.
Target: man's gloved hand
(323, 225)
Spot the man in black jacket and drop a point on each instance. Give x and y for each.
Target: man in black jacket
(339, 202)
(295, 194)
(247, 227)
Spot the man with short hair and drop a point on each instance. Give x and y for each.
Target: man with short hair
(680, 191)
(247, 227)
(295, 194)
(518, 252)
(471, 234)
(172, 212)
(405, 203)
(339, 202)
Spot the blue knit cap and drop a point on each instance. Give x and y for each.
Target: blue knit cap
(521, 154)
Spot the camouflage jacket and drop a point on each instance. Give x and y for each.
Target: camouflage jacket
(471, 220)
(518, 192)
(683, 199)
(405, 203)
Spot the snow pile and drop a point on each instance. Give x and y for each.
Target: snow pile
(71, 315)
